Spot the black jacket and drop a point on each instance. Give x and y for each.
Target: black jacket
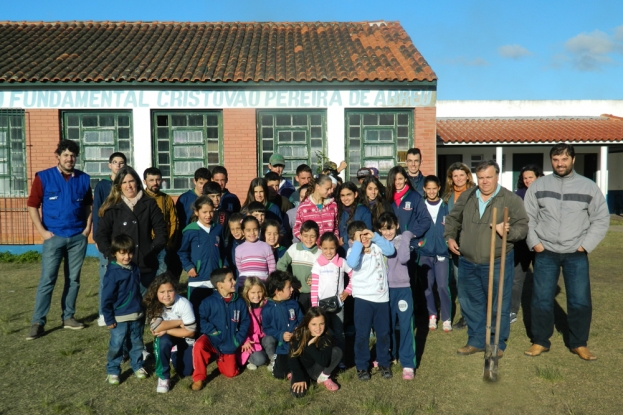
(315, 354)
(145, 225)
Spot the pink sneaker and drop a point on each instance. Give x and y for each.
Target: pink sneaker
(408, 374)
(375, 364)
(330, 385)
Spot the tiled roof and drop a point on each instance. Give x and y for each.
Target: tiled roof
(208, 52)
(606, 128)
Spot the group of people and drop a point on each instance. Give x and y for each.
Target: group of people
(269, 280)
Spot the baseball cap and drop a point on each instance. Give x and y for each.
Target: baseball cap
(363, 172)
(374, 171)
(276, 160)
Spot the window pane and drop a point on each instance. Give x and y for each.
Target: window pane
(185, 152)
(403, 131)
(316, 132)
(182, 183)
(163, 146)
(386, 135)
(403, 143)
(403, 119)
(163, 158)
(282, 120)
(379, 151)
(370, 119)
(4, 121)
(161, 121)
(178, 120)
(73, 120)
(213, 146)
(186, 167)
(354, 132)
(386, 119)
(99, 137)
(268, 145)
(299, 119)
(73, 134)
(267, 120)
(212, 120)
(354, 119)
(107, 121)
(212, 132)
(89, 121)
(123, 145)
(213, 158)
(123, 121)
(165, 170)
(195, 120)
(355, 157)
(372, 135)
(181, 136)
(267, 132)
(315, 119)
(285, 136)
(124, 133)
(163, 133)
(298, 136)
(316, 144)
(355, 144)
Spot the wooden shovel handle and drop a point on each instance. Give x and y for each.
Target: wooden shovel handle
(494, 215)
(498, 317)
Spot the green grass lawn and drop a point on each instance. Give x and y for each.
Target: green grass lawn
(63, 372)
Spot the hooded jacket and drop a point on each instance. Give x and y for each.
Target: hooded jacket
(413, 215)
(201, 250)
(225, 323)
(121, 294)
(566, 213)
(326, 218)
(279, 317)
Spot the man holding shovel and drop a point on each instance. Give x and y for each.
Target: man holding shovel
(472, 217)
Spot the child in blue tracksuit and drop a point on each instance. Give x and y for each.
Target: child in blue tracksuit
(434, 257)
(370, 290)
(200, 253)
(122, 309)
(236, 239)
(400, 294)
(224, 323)
(280, 316)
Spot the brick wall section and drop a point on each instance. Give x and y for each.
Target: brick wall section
(426, 137)
(240, 149)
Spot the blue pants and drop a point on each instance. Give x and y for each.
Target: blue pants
(146, 279)
(55, 249)
(102, 269)
(437, 272)
(367, 315)
(162, 265)
(473, 289)
(127, 335)
(401, 312)
(547, 267)
(182, 359)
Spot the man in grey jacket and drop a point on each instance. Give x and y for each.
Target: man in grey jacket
(472, 217)
(568, 218)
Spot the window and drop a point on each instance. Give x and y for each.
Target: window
(184, 142)
(298, 136)
(377, 139)
(475, 160)
(99, 134)
(12, 153)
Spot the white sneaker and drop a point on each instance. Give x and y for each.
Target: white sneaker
(432, 323)
(163, 386)
(447, 326)
(141, 374)
(271, 364)
(112, 379)
(146, 355)
(251, 366)
(101, 322)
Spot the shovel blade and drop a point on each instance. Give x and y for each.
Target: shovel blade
(490, 371)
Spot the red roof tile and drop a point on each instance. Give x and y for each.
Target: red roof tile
(605, 128)
(208, 52)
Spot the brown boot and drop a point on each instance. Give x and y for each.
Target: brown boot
(584, 353)
(467, 350)
(197, 386)
(535, 350)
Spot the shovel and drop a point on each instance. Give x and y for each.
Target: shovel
(490, 372)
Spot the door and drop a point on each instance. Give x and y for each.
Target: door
(444, 161)
(523, 159)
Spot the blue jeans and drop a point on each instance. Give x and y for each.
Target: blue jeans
(102, 269)
(473, 289)
(367, 315)
(55, 249)
(162, 264)
(129, 336)
(547, 267)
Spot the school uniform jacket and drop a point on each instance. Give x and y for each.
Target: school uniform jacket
(201, 250)
(433, 243)
(362, 213)
(279, 317)
(225, 323)
(121, 294)
(412, 215)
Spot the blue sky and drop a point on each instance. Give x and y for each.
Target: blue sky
(547, 49)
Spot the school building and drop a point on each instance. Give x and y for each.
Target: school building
(179, 96)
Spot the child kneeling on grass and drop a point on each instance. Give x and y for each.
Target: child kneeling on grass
(122, 310)
(367, 258)
(172, 322)
(312, 354)
(280, 316)
(224, 324)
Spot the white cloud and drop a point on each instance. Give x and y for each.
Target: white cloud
(588, 52)
(464, 61)
(513, 51)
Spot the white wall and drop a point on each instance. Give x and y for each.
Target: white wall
(549, 108)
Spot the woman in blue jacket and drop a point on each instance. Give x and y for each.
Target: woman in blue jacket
(434, 256)
(349, 210)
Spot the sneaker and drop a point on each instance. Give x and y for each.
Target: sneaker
(330, 385)
(251, 366)
(432, 323)
(146, 355)
(112, 379)
(163, 386)
(386, 372)
(363, 375)
(375, 364)
(447, 326)
(197, 385)
(513, 318)
(271, 364)
(36, 330)
(141, 374)
(408, 373)
(461, 324)
(101, 322)
(72, 324)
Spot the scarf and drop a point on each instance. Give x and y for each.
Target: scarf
(398, 195)
(459, 190)
(132, 202)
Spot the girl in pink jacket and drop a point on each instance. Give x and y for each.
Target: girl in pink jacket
(254, 293)
(318, 207)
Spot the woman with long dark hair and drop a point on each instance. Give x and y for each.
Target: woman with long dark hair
(258, 192)
(407, 204)
(372, 195)
(349, 209)
(129, 211)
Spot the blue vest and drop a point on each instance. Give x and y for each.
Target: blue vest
(62, 208)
